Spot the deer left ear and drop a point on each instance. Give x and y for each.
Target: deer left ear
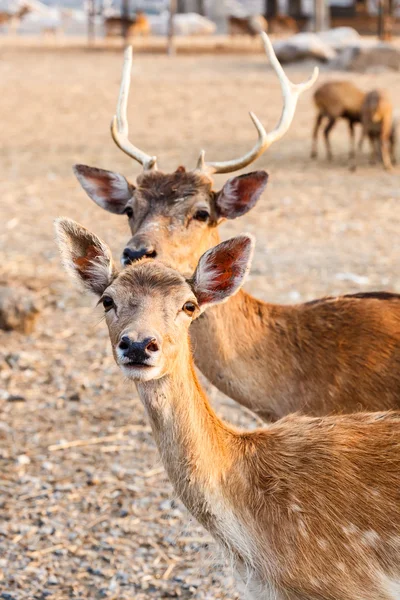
(85, 257)
(222, 270)
(240, 194)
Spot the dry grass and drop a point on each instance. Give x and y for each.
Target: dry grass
(95, 519)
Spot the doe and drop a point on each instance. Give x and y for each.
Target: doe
(306, 508)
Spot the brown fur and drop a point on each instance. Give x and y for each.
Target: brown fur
(247, 25)
(272, 359)
(378, 126)
(337, 100)
(282, 24)
(307, 508)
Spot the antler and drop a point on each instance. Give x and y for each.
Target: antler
(119, 124)
(290, 92)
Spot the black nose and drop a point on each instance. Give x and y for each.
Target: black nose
(138, 352)
(129, 256)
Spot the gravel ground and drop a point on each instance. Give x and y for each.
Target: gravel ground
(86, 510)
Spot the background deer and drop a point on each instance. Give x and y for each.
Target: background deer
(137, 25)
(305, 508)
(272, 359)
(247, 25)
(378, 126)
(337, 100)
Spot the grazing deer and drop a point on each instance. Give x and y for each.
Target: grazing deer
(272, 359)
(307, 508)
(378, 126)
(337, 100)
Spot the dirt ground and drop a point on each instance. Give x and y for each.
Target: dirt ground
(86, 510)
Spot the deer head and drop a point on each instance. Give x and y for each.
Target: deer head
(149, 306)
(174, 217)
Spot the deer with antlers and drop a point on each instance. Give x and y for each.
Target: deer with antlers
(330, 355)
(306, 508)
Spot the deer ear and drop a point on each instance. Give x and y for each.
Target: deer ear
(109, 190)
(85, 257)
(240, 194)
(222, 270)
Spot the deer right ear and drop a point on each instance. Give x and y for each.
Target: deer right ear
(222, 270)
(240, 194)
(85, 257)
(109, 190)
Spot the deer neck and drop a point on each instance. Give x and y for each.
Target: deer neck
(239, 335)
(192, 440)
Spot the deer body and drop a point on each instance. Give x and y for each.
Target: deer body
(329, 356)
(337, 100)
(137, 25)
(378, 126)
(306, 508)
(266, 496)
(247, 25)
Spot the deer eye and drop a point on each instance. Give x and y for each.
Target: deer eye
(201, 215)
(189, 308)
(129, 212)
(108, 303)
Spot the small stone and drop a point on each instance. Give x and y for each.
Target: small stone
(95, 572)
(18, 309)
(52, 580)
(16, 398)
(23, 459)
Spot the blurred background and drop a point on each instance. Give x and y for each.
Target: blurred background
(86, 510)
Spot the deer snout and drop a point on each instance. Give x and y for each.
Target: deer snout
(138, 352)
(130, 255)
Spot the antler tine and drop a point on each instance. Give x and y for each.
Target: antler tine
(119, 124)
(290, 92)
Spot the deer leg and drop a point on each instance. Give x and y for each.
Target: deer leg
(393, 149)
(352, 153)
(317, 125)
(385, 153)
(384, 143)
(327, 131)
(372, 143)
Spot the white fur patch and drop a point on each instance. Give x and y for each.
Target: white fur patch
(370, 538)
(391, 585)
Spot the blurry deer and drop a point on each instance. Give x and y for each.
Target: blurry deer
(337, 100)
(247, 25)
(272, 359)
(378, 126)
(282, 24)
(307, 508)
(137, 25)
(13, 19)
